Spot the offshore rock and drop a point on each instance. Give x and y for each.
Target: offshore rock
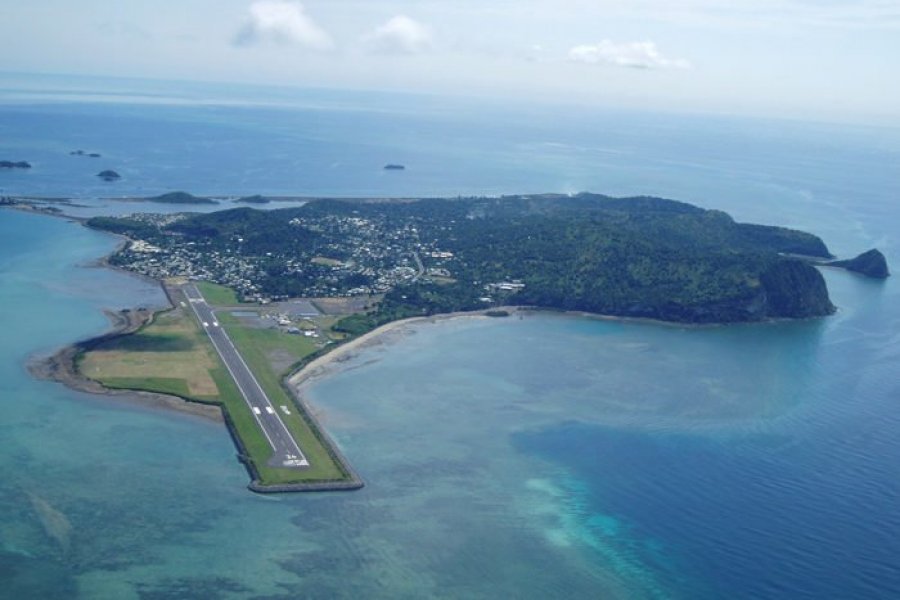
(871, 264)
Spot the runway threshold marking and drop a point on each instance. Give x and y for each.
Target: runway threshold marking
(301, 462)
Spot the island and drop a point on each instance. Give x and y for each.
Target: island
(628, 257)
(9, 164)
(261, 301)
(83, 153)
(109, 175)
(394, 167)
(179, 198)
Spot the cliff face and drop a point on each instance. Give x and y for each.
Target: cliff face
(794, 289)
(785, 288)
(870, 264)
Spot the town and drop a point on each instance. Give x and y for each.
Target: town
(349, 256)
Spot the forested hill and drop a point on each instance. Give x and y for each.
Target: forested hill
(641, 257)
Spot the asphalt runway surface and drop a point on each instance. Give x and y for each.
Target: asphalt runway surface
(286, 452)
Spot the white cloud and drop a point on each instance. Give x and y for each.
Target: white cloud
(635, 55)
(400, 35)
(282, 22)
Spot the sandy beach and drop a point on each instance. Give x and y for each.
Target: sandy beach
(334, 360)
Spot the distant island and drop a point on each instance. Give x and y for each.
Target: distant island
(109, 175)
(257, 199)
(179, 198)
(83, 153)
(8, 164)
(394, 167)
(640, 257)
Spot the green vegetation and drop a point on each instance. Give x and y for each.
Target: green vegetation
(262, 343)
(174, 356)
(218, 295)
(164, 385)
(257, 347)
(636, 257)
(870, 263)
(180, 198)
(170, 355)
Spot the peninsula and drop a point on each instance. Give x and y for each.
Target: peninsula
(257, 296)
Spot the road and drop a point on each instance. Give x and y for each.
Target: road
(420, 268)
(286, 452)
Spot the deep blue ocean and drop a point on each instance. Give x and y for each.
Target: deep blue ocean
(543, 457)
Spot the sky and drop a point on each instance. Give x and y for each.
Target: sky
(823, 59)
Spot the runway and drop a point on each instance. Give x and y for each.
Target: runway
(286, 452)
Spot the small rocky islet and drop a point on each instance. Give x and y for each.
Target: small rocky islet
(10, 164)
(871, 263)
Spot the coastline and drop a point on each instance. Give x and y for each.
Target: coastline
(61, 367)
(332, 362)
(325, 364)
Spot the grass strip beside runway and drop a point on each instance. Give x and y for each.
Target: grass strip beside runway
(174, 356)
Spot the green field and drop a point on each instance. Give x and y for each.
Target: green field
(165, 385)
(218, 295)
(259, 348)
(174, 356)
